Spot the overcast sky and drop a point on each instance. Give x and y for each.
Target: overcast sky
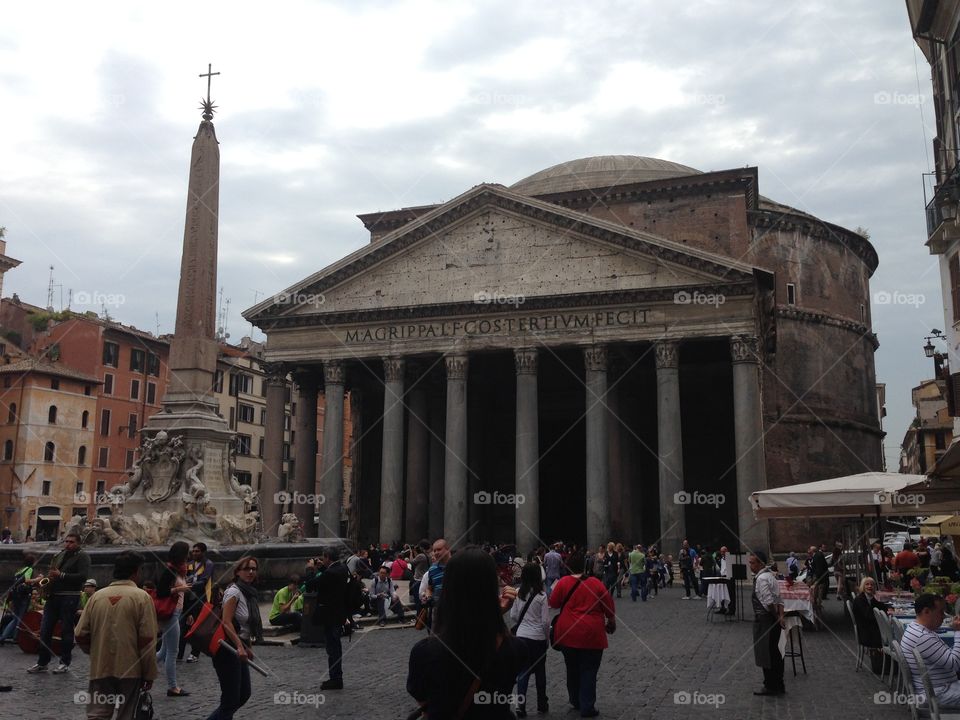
(332, 109)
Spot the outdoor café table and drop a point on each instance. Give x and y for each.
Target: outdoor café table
(946, 633)
(717, 594)
(797, 598)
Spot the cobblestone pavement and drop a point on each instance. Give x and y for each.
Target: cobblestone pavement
(664, 652)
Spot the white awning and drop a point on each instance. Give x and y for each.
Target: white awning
(849, 496)
(48, 516)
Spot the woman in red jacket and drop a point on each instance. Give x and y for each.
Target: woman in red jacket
(586, 616)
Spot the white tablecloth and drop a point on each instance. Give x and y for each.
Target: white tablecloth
(797, 598)
(717, 595)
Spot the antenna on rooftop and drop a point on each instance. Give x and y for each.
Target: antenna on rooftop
(50, 288)
(222, 314)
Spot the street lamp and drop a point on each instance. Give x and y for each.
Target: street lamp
(931, 351)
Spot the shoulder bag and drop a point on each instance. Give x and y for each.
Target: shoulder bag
(553, 623)
(513, 630)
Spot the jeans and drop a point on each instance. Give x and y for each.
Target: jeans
(64, 609)
(535, 663)
(170, 637)
(548, 584)
(288, 619)
(234, 677)
(689, 581)
(582, 667)
(20, 608)
(331, 635)
(635, 580)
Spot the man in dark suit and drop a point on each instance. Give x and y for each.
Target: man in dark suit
(330, 584)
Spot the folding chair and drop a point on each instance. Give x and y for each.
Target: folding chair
(856, 635)
(905, 685)
(886, 637)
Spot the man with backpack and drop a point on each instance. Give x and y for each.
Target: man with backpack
(332, 585)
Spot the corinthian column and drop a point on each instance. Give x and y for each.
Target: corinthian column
(598, 458)
(391, 476)
(305, 450)
(270, 483)
(527, 453)
(748, 435)
(455, 457)
(673, 526)
(331, 474)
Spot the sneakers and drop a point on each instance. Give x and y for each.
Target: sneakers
(192, 658)
(685, 597)
(60, 669)
(38, 668)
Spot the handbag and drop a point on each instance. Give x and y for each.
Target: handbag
(513, 630)
(165, 607)
(144, 709)
(421, 619)
(553, 622)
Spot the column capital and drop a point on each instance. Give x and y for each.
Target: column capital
(745, 349)
(595, 357)
(275, 373)
(457, 366)
(668, 354)
(525, 360)
(333, 372)
(393, 369)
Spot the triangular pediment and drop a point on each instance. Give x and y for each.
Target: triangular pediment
(491, 245)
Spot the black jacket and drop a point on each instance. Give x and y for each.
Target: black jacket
(867, 627)
(331, 587)
(74, 568)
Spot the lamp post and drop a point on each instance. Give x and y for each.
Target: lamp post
(930, 350)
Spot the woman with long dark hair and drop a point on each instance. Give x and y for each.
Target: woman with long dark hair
(241, 624)
(467, 668)
(586, 617)
(172, 581)
(531, 613)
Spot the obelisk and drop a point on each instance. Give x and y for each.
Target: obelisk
(202, 492)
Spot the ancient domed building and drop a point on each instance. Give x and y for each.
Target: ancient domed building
(613, 347)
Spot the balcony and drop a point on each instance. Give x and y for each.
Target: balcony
(942, 210)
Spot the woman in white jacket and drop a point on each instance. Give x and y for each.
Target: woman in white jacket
(531, 613)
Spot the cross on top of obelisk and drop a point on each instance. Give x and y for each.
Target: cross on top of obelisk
(207, 105)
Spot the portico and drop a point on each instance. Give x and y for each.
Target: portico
(536, 372)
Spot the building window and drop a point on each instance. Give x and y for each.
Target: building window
(82, 455)
(49, 451)
(85, 419)
(218, 381)
(105, 423)
(12, 413)
(241, 383)
(247, 413)
(103, 457)
(101, 488)
(54, 383)
(791, 294)
(8, 450)
(233, 419)
(243, 444)
(243, 477)
(52, 415)
(263, 416)
(129, 460)
(86, 390)
(260, 449)
(78, 490)
(45, 488)
(151, 393)
(134, 389)
(863, 313)
(153, 364)
(286, 451)
(132, 425)
(111, 354)
(107, 384)
(940, 440)
(138, 360)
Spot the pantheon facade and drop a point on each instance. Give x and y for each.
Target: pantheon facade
(616, 347)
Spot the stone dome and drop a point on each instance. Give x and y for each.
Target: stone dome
(600, 171)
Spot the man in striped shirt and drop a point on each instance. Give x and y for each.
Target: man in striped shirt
(943, 663)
